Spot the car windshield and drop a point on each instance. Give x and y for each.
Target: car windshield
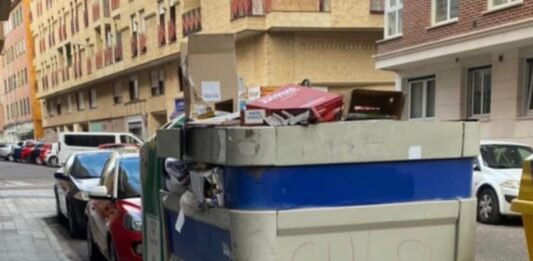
(87, 166)
(129, 184)
(504, 156)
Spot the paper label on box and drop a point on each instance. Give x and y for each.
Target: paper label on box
(180, 221)
(254, 93)
(252, 117)
(211, 92)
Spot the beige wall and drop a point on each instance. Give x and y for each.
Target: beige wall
(507, 120)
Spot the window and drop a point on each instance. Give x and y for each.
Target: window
(58, 107)
(134, 88)
(495, 4)
(117, 93)
(80, 101)
(69, 103)
(157, 77)
(445, 11)
(422, 98)
(479, 91)
(92, 98)
(529, 86)
(88, 140)
(393, 18)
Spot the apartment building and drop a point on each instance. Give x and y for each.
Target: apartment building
(113, 65)
(464, 60)
(15, 91)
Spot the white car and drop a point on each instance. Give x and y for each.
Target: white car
(497, 173)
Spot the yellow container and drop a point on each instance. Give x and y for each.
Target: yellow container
(524, 204)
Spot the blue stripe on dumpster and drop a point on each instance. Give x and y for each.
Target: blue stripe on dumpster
(197, 241)
(347, 185)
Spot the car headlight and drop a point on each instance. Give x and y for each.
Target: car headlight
(82, 195)
(513, 184)
(133, 222)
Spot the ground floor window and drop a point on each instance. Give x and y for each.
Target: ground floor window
(479, 91)
(422, 98)
(529, 86)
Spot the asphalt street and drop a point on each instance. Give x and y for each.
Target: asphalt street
(505, 242)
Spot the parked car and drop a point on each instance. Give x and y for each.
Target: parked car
(5, 150)
(497, 172)
(114, 227)
(72, 184)
(48, 155)
(70, 142)
(35, 152)
(17, 149)
(26, 151)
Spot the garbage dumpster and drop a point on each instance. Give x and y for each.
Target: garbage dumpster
(371, 190)
(524, 204)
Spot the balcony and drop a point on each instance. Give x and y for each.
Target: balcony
(161, 35)
(96, 12)
(377, 6)
(192, 21)
(118, 52)
(142, 43)
(172, 36)
(108, 56)
(115, 4)
(99, 60)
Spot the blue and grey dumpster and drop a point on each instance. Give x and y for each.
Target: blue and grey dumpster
(369, 190)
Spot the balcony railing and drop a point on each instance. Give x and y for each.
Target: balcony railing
(300, 5)
(108, 56)
(243, 8)
(75, 67)
(96, 12)
(377, 6)
(142, 43)
(134, 46)
(79, 67)
(118, 52)
(172, 37)
(72, 27)
(161, 35)
(99, 60)
(65, 31)
(192, 21)
(89, 66)
(115, 4)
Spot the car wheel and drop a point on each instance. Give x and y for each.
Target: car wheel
(53, 161)
(92, 249)
(73, 227)
(11, 158)
(112, 251)
(488, 208)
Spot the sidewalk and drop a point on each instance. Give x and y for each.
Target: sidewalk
(25, 234)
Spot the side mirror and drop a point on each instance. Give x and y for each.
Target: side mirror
(477, 167)
(99, 193)
(59, 174)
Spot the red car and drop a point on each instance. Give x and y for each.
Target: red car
(26, 151)
(114, 215)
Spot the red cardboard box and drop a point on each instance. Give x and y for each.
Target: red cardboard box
(324, 106)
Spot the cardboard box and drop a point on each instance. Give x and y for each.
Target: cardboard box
(370, 104)
(211, 72)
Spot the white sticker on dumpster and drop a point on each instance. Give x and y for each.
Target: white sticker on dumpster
(415, 152)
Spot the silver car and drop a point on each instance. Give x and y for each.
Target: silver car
(5, 150)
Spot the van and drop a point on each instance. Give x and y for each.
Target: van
(70, 142)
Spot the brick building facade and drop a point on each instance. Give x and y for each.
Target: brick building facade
(464, 60)
(15, 97)
(112, 65)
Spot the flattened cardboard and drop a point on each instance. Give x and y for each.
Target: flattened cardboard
(210, 58)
